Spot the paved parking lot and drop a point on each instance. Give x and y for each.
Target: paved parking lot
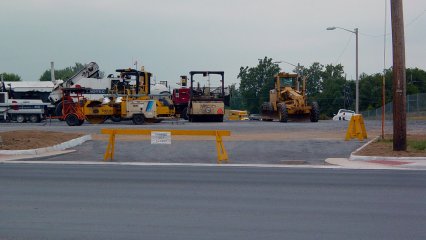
(251, 141)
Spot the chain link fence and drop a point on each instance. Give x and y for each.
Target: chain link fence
(416, 109)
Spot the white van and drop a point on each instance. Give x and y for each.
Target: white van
(343, 114)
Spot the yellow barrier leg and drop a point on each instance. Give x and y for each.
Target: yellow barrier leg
(109, 153)
(364, 131)
(351, 129)
(222, 155)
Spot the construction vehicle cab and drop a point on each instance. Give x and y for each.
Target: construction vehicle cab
(288, 100)
(206, 103)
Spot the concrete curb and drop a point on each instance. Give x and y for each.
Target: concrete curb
(59, 147)
(346, 163)
(355, 157)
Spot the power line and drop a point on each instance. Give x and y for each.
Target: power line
(415, 19)
(344, 49)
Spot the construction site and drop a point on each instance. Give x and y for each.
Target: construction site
(131, 109)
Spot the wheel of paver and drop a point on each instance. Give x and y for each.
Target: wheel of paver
(72, 120)
(315, 112)
(20, 118)
(116, 118)
(282, 112)
(184, 113)
(80, 122)
(138, 119)
(34, 118)
(93, 119)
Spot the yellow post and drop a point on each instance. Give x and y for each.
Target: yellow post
(356, 128)
(222, 155)
(109, 153)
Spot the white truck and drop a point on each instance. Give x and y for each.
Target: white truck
(22, 110)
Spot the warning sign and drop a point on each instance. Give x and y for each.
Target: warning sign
(161, 138)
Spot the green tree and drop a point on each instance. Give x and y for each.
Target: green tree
(332, 87)
(256, 83)
(314, 78)
(11, 77)
(416, 81)
(62, 73)
(235, 98)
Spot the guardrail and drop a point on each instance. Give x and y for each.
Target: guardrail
(222, 155)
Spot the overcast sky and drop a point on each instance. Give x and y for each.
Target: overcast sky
(173, 37)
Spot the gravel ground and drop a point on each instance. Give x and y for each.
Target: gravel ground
(251, 141)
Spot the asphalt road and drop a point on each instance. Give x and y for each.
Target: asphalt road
(128, 202)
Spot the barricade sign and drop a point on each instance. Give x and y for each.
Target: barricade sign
(161, 138)
(356, 128)
(164, 137)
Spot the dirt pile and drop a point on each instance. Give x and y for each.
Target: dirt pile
(25, 139)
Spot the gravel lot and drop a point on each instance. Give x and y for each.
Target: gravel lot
(251, 141)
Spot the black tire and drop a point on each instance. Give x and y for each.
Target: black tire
(20, 118)
(34, 118)
(80, 122)
(138, 119)
(282, 112)
(116, 118)
(219, 118)
(184, 113)
(315, 111)
(72, 120)
(58, 111)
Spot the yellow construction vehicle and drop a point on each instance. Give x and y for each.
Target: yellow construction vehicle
(238, 115)
(287, 100)
(129, 99)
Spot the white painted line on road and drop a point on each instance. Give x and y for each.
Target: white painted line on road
(341, 164)
(174, 164)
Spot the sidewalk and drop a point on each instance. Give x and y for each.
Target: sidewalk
(378, 162)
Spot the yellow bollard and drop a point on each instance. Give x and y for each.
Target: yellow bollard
(356, 128)
(222, 155)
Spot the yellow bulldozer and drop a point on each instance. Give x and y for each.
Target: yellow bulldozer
(288, 100)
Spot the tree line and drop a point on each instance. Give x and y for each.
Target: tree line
(59, 74)
(326, 84)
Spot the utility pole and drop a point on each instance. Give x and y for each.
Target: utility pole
(399, 78)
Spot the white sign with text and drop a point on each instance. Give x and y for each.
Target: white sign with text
(161, 138)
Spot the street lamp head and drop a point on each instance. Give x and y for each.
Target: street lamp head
(331, 28)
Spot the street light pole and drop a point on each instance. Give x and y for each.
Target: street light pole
(357, 76)
(355, 31)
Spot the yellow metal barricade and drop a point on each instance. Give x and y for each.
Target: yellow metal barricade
(222, 155)
(356, 128)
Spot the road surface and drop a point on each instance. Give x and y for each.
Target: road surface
(129, 202)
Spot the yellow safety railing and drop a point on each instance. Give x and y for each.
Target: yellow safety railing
(222, 155)
(356, 128)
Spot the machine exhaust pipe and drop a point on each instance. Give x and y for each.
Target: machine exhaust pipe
(52, 72)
